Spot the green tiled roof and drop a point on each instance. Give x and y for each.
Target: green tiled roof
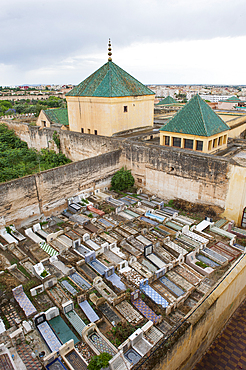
(57, 115)
(167, 100)
(196, 118)
(233, 98)
(110, 81)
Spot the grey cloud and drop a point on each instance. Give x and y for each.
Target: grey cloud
(40, 33)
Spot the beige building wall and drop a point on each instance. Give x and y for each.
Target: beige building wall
(210, 144)
(106, 116)
(42, 120)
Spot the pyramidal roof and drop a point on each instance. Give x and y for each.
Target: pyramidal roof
(196, 118)
(57, 115)
(167, 100)
(110, 81)
(233, 98)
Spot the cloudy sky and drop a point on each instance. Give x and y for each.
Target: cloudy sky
(157, 41)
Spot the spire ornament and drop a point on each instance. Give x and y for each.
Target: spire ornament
(109, 51)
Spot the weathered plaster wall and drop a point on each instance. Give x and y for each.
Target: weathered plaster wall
(107, 115)
(47, 192)
(178, 173)
(74, 145)
(206, 322)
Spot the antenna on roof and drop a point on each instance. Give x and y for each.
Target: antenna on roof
(109, 51)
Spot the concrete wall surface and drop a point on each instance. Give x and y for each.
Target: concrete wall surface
(47, 191)
(177, 173)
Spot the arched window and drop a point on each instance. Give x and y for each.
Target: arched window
(243, 223)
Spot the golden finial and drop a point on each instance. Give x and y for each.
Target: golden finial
(109, 51)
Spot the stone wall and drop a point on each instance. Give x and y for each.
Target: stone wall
(47, 192)
(75, 146)
(177, 173)
(189, 342)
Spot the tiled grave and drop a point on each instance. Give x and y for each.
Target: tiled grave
(203, 288)
(163, 291)
(24, 301)
(152, 294)
(25, 353)
(174, 225)
(132, 356)
(148, 221)
(130, 249)
(128, 312)
(207, 260)
(179, 280)
(75, 321)
(144, 308)
(77, 279)
(56, 365)
(133, 277)
(109, 313)
(67, 286)
(88, 311)
(61, 329)
(5, 363)
(49, 336)
(58, 295)
(171, 286)
(187, 275)
(164, 254)
(90, 274)
(100, 344)
(75, 361)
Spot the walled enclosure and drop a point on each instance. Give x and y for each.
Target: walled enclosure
(205, 323)
(167, 172)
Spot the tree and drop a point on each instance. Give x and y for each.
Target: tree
(98, 362)
(122, 179)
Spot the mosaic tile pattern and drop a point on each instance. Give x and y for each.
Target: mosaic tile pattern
(88, 311)
(25, 353)
(133, 277)
(56, 365)
(75, 321)
(49, 336)
(76, 361)
(116, 281)
(152, 294)
(214, 255)
(128, 312)
(100, 344)
(148, 221)
(5, 363)
(24, 301)
(228, 350)
(145, 310)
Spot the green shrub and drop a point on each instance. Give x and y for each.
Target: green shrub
(98, 362)
(122, 180)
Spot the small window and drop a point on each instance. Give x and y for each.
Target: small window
(177, 142)
(167, 140)
(125, 108)
(89, 130)
(220, 140)
(82, 130)
(215, 143)
(225, 139)
(188, 144)
(95, 131)
(199, 145)
(210, 145)
(139, 180)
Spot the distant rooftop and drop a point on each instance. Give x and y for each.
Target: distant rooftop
(168, 101)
